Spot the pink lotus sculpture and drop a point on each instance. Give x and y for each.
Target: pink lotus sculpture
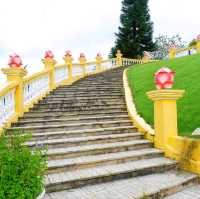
(164, 78)
(198, 37)
(49, 55)
(82, 55)
(15, 61)
(98, 54)
(68, 53)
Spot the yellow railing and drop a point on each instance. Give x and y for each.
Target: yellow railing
(21, 92)
(173, 52)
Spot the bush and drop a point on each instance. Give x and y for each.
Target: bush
(22, 170)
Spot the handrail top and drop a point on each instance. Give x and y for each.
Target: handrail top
(8, 86)
(35, 75)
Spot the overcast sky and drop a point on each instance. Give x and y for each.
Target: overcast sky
(29, 27)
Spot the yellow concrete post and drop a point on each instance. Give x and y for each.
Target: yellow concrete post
(17, 74)
(146, 57)
(118, 58)
(68, 61)
(49, 64)
(198, 46)
(98, 62)
(172, 53)
(165, 115)
(83, 63)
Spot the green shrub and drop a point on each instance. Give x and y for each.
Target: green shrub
(22, 170)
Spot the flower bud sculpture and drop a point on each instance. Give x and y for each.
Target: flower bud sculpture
(99, 57)
(49, 55)
(82, 55)
(164, 78)
(68, 53)
(68, 58)
(82, 58)
(15, 61)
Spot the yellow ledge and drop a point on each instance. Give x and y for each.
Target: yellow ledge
(138, 121)
(186, 151)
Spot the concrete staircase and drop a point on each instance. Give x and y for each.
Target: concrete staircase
(94, 151)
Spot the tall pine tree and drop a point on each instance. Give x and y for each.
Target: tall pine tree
(136, 31)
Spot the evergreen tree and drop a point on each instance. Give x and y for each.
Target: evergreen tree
(136, 31)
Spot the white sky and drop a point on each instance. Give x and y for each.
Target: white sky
(29, 27)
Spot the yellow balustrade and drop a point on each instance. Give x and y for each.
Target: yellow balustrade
(28, 90)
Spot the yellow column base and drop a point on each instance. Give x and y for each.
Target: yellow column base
(165, 115)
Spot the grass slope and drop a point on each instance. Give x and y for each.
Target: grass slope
(187, 77)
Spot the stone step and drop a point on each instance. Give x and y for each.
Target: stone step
(89, 140)
(52, 99)
(63, 115)
(92, 110)
(70, 152)
(80, 105)
(192, 192)
(86, 89)
(83, 133)
(56, 166)
(79, 108)
(68, 120)
(47, 128)
(96, 84)
(83, 177)
(88, 100)
(155, 186)
(86, 95)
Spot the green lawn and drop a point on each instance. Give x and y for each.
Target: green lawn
(187, 77)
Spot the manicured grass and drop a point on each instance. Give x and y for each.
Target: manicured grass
(187, 77)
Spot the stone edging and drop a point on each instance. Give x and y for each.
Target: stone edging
(137, 120)
(41, 196)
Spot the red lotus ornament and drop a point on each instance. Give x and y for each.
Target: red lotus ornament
(164, 78)
(68, 53)
(15, 61)
(49, 54)
(82, 55)
(198, 37)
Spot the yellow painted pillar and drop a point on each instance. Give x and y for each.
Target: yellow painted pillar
(165, 115)
(146, 57)
(17, 74)
(118, 58)
(68, 61)
(198, 46)
(83, 63)
(172, 53)
(49, 64)
(98, 62)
